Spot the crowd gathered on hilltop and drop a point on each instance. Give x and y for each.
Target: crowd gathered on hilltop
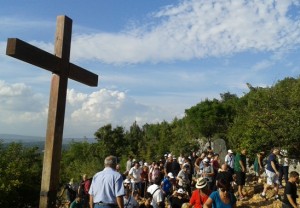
(197, 180)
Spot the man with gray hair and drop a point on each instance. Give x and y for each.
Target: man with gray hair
(107, 189)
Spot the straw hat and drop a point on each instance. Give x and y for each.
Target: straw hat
(201, 183)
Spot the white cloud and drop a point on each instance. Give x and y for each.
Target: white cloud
(85, 113)
(108, 106)
(21, 107)
(197, 29)
(17, 96)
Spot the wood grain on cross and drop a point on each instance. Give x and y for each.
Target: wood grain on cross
(59, 64)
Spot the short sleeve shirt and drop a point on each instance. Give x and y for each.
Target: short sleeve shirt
(239, 157)
(272, 157)
(166, 185)
(184, 176)
(136, 173)
(196, 200)
(217, 202)
(290, 189)
(106, 186)
(157, 195)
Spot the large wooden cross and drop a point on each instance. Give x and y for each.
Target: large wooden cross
(59, 64)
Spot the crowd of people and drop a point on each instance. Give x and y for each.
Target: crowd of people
(198, 180)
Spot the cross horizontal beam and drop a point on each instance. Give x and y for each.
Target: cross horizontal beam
(21, 50)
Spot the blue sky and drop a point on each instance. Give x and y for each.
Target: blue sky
(154, 58)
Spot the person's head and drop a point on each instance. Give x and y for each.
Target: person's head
(201, 183)
(216, 156)
(294, 177)
(210, 154)
(224, 167)
(127, 184)
(223, 187)
(206, 161)
(145, 168)
(244, 151)
(186, 167)
(180, 192)
(136, 164)
(276, 151)
(110, 161)
(170, 175)
(230, 152)
(203, 155)
(84, 177)
(118, 168)
(157, 181)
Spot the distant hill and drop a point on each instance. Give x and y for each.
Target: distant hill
(8, 138)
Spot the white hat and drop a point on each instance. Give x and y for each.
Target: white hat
(170, 175)
(126, 181)
(201, 183)
(145, 164)
(206, 160)
(180, 191)
(165, 155)
(230, 151)
(169, 155)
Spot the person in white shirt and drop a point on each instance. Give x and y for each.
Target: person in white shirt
(180, 160)
(135, 175)
(229, 160)
(157, 194)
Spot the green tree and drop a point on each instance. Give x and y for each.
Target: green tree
(20, 171)
(268, 117)
(212, 118)
(111, 140)
(81, 158)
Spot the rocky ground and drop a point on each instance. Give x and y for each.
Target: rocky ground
(254, 200)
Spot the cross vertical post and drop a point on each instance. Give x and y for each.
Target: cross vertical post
(55, 125)
(62, 69)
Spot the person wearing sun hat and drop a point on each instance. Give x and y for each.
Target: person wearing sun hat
(178, 198)
(201, 194)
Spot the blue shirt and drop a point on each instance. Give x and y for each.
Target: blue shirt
(272, 157)
(217, 202)
(106, 186)
(166, 187)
